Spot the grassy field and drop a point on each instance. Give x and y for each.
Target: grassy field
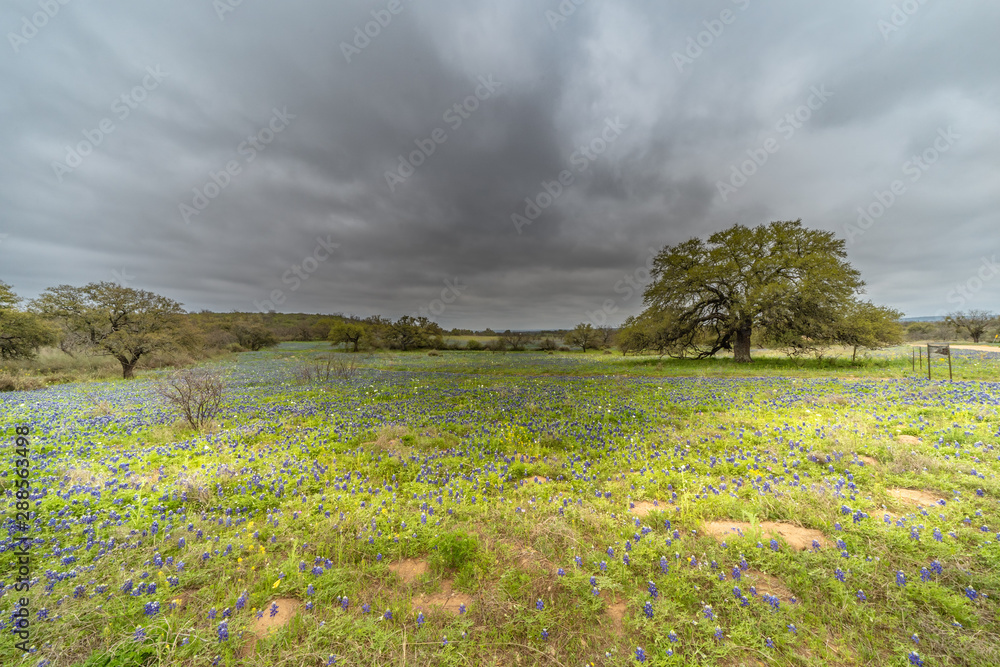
(514, 509)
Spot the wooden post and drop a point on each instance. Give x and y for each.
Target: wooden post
(950, 379)
(928, 361)
(920, 358)
(913, 360)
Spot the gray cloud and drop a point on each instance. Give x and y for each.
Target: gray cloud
(324, 175)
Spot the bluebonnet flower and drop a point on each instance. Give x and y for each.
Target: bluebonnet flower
(794, 630)
(211, 614)
(936, 567)
(561, 572)
(152, 608)
(241, 601)
(839, 574)
(545, 634)
(971, 593)
(707, 611)
(861, 595)
(539, 605)
(332, 660)
(579, 561)
(366, 608)
(223, 631)
(915, 659)
(461, 608)
(420, 619)
(664, 566)
(769, 642)
(648, 609)
(640, 655)
(310, 590)
(139, 635)
(672, 636)
(900, 578)
(774, 544)
(915, 638)
(925, 574)
(718, 634)
(387, 616)
(653, 593)
(274, 609)
(604, 566)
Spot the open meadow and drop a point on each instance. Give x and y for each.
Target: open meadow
(466, 508)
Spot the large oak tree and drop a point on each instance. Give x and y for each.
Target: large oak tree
(108, 318)
(21, 333)
(782, 280)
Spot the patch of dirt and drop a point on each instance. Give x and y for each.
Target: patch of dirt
(410, 569)
(448, 599)
(538, 479)
(908, 439)
(615, 609)
(642, 508)
(766, 583)
(914, 497)
(266, 625)
(797, 537)
(867, 460)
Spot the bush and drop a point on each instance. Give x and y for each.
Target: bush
(547, 344)
(473, 344)
(456, 550)
(195, 394)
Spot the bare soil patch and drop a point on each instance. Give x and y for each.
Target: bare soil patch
(267, 624)
(914, 496)
(447, 599)
(868, 461)
(797, 537)
(642, 508)
(769, 584)
(615, 609)
(410, 569)
(908, 439)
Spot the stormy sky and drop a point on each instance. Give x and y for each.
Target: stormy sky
(506, 164)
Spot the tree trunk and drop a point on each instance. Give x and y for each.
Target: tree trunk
(128, 367)
(854, 357)
(741, 350)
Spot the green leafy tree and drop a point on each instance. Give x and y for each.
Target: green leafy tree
(21, 332)
(974, 322)
(111, 319)
(348, 332)
(865, 325)
(584, 335)
(253, 334)
(773, 279)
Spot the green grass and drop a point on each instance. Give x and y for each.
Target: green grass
(440, 460)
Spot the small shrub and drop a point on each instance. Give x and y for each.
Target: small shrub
(196, 394)
(456, 550)
(473, 344)
(433, 353)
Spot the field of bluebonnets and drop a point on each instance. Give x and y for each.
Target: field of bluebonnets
(523, 508)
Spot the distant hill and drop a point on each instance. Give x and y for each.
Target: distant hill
(929, 318)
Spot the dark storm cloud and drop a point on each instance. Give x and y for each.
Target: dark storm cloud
(243, 150)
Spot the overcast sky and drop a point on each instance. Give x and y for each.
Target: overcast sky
(227, 155)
